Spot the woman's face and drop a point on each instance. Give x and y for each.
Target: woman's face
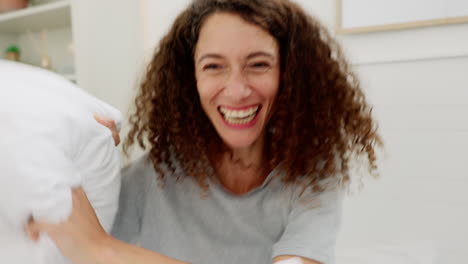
(237, 67)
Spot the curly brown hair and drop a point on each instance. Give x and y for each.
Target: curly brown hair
(320, 121)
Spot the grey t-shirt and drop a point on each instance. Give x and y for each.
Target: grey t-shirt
(177, 221)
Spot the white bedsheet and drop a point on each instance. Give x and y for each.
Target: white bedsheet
(409, 252)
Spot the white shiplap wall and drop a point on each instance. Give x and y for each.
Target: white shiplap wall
(418, 82)
(423, 111)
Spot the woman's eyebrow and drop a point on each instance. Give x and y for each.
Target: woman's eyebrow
(250, 56)
(209, 55)
(260, 53)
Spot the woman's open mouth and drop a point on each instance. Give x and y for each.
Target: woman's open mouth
(239, 117)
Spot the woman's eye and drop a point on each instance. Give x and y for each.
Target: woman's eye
(259, 66)
(212, 67)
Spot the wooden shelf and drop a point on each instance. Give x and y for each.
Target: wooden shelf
(35, 18)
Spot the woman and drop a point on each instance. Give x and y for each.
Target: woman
(251, 116)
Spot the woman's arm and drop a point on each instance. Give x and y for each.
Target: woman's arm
(293, 260)
(83, 240)
(117, 252)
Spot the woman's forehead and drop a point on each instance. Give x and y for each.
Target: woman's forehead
(224, 32)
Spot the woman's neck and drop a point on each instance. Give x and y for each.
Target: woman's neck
(241, 170)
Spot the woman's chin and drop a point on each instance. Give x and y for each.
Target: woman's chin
(236, 138)
(239, 142)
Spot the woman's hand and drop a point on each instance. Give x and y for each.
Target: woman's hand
(83, 240)
(79, 238)
(109, 123)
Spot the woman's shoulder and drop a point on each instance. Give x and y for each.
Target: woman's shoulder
(138, 174)
(139, 165)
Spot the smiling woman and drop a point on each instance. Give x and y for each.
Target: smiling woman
(251, 116)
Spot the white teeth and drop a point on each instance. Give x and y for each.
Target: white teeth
(240, 121)
(239, 117)
(228, 113)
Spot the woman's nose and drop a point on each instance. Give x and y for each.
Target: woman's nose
(237, 86)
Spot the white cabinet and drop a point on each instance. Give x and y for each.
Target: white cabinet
(35, 18)
(98, 44)
(41, 31)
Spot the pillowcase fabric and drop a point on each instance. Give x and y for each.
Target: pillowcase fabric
(50, 144)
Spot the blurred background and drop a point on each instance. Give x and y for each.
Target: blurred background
(413, 68)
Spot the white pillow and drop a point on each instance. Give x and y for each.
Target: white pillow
(49, 144)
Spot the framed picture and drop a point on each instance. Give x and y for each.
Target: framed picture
(362, 16)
